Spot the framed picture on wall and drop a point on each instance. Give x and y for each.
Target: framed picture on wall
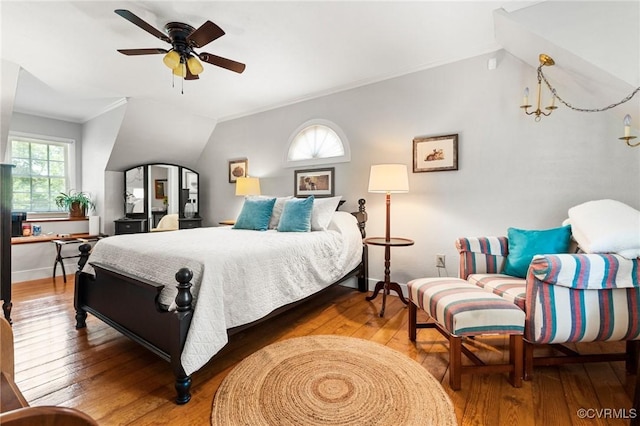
(435, 153)
(159, 188)
(316, 182)
(237, 168)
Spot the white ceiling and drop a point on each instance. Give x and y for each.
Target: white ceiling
(293, 50)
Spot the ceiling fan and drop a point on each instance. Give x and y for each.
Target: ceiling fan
(183, 38)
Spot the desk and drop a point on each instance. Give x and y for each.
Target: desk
(387, 285)
(69, 240)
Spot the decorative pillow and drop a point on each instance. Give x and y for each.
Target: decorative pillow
(323, 209)
(524, 244)
(277, 211)
(255, 214)
(606, 226)
(296, 215)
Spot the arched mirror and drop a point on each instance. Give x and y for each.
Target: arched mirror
(153, 191)
(134, 196)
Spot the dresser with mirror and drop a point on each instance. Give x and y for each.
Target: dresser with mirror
(153, 191)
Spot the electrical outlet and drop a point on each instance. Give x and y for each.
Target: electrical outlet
(440, 261)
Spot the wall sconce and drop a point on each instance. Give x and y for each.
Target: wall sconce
(546, 60)
(627, 131)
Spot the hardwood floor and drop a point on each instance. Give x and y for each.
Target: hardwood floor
(116, 381)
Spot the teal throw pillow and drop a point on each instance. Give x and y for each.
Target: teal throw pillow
(524, 244)
(255, 214)
(296, 215)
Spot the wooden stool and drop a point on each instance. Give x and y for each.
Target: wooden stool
(461, 309)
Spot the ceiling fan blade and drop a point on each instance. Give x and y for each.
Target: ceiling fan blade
(222, 62)
(142, 24)
(132, 52)
(205, 34)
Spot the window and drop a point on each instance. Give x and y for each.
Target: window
(41, 172)
(317, 142)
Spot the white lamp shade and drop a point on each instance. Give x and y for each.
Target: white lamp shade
(247, 186)
(389, 178)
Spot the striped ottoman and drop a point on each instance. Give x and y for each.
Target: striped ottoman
(460, 309)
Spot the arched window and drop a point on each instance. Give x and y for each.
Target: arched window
(317, 142)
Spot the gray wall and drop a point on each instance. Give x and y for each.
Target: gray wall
(41, 126)
(512, 170)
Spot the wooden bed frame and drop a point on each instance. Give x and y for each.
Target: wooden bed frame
(130, 305)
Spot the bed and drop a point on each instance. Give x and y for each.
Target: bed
(227, 279)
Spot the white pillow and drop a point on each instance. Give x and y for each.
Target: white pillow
(323, 209)
(277, 211)
(606, 226)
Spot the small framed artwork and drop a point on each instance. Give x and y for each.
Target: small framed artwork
(159, 188)
(435, 153)
(237, 168)
(316, 182)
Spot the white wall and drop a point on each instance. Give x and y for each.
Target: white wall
(99, 136)
(512, 170)
(9, 73)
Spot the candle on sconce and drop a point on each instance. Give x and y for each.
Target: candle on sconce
(627, 125)
(525, 99)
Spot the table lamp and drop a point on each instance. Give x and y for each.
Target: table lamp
(388, 179)
(248, 186)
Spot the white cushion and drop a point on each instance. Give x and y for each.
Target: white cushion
(277, 211)
(323, 209)
(606, 226)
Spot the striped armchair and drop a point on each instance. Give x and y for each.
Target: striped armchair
(566, 298)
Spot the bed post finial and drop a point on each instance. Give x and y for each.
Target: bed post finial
(84, 255)
(362, 216)
(184, 297)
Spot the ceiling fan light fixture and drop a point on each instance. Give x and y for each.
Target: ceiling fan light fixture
(194, 65)
(180, 70)
(172, 59)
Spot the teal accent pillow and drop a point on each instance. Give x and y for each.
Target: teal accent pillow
(296, 215)
(255, 214)
(524, 244)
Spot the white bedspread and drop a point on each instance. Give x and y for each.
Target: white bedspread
(239, 276)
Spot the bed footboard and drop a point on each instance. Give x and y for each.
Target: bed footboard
(131, 306)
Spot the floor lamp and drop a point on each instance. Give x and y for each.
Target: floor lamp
(388, 179)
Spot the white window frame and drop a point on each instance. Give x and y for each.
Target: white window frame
(345, 158)
(71, 163)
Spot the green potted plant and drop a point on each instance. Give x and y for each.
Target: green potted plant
(77, 203)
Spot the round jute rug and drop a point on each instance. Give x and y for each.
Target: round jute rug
(330, 380)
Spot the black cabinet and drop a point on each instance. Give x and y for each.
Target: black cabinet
(6, 192)
(130, 226)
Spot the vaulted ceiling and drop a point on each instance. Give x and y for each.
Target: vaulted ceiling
(69, 67)
(293, 50)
